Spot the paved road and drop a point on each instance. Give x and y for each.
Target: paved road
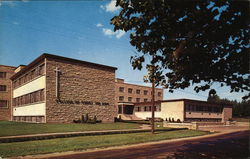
(232, 145)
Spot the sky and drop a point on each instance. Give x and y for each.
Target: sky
(75, 29)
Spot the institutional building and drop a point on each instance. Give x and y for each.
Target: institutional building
(184, 110)
(5, 91)
(127, 94)
(59, 89)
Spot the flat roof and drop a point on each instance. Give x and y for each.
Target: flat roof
(183, 99)
(194, 100)
(134, 84)
(46, 55)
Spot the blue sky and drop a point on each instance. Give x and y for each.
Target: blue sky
(75, 29)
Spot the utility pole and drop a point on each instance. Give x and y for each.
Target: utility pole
(153, 102)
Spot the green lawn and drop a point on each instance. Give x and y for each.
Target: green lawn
(8, 128)
(88, 142)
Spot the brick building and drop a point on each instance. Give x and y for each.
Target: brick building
(5, 91)
(185, 110)
(127, 94)
(59, 89)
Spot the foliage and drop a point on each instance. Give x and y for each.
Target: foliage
(190, 42)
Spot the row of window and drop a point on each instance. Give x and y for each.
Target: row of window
(137, 91)
(3, 104)
(40, 70)
(147, 109)
(3, 88)
(3, 74)
(29, 98)
(130, 99)
(199, 108)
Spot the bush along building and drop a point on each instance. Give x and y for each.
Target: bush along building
(59, 89)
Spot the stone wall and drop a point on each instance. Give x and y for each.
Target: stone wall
(5, 113)
(82, 89)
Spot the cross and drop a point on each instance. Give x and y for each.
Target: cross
(57, 82)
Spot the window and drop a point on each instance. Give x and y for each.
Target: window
(2, 74)
(138, 91)
(121, 89)
(145, 100)
(130, 99)
(145, 92)
(3, 103)
(159, 94)
(121, 98)
(130, 90)
(145, 109)
(138, 99)
(3, 88)
(138, 109)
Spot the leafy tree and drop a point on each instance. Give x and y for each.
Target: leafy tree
(197, 42)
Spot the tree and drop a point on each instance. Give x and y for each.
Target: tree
(190, 42)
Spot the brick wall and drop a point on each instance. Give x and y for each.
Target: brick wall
(79, 85)
(126, 94)
(5, 113)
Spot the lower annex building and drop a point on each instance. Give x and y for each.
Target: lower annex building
(184, 110)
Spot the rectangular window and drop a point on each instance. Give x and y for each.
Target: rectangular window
(145, 92)
(130, 99)
(138, 100)
(3, 88)
(3, 104)
(121, 89)
(3, 74)
(121, 98)
(130, 90)
(145, 100)
(145, 109)
(138, 109)
(138, 91)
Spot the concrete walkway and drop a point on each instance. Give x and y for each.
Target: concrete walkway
(20, 138)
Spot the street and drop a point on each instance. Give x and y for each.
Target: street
(231, 145)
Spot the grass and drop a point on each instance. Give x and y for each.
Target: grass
(8, 128)
(88, 142)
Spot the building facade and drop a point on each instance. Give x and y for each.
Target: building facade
(59, 89)
(5, 91)
(127, 94)
(185, 110)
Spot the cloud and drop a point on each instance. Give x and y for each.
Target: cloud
(110, 7)
(99, 25)
(7, 3)
(118, 34)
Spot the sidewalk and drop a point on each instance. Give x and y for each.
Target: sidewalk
(20, 138)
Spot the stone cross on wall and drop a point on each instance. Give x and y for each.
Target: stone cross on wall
(57, 82)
